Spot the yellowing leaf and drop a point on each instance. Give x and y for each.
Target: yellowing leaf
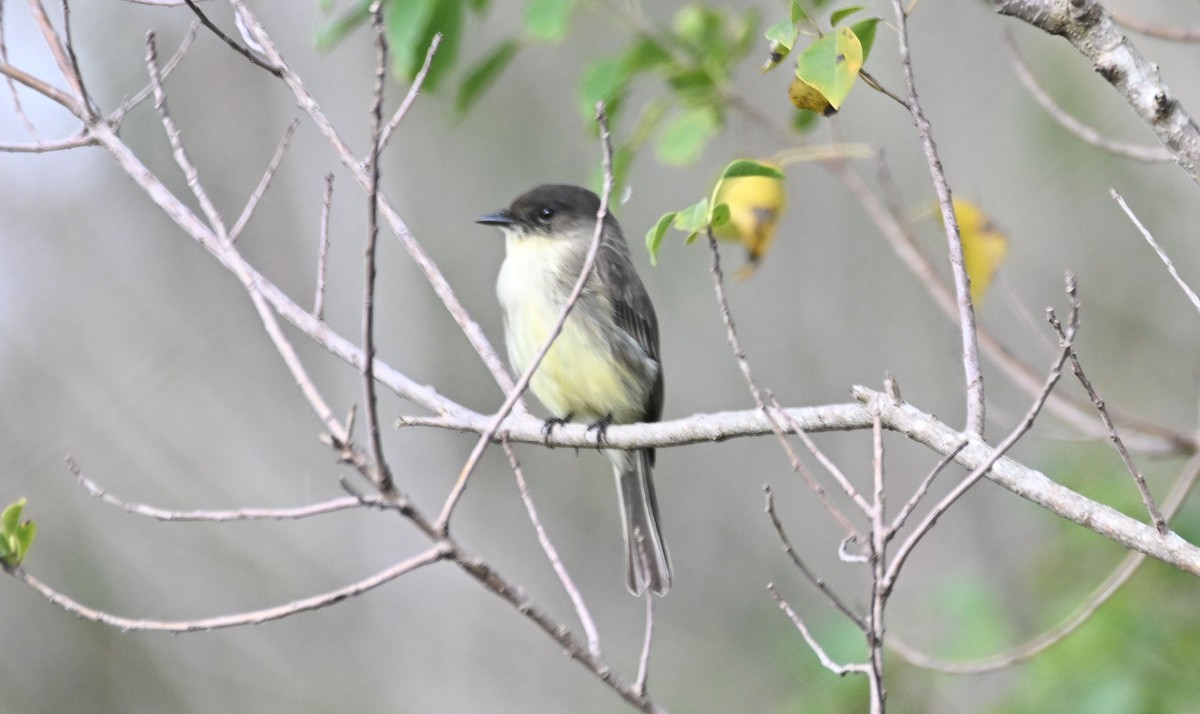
(755, 204)
(984, 246)
(806, 96)
(830, 66)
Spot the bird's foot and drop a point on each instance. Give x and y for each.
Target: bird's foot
(600, 426)
(549, 424)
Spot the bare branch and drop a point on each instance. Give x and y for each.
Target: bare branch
(979, 471)
(173, 136)
(1156, 516)
(739, 355)
(318, 310)
(118, 115)
(1191, 294)
(581, 610)
(237, 514)
(838, 669)
(1162, 32)
(1088, 26)
(962, 282)
(89, 107)
(1146, 436)
(411, 97)
(922, 489)
(42, 147)
(441, 287)
(1091, 604)
(12, 86)
(379, 472)
(819, 583)
(1083, 132)
(264, 182)
(440, 551)
(229, 40)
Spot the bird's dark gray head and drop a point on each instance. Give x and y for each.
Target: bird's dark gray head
(550, 209)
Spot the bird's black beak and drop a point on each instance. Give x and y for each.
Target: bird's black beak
(500, 218)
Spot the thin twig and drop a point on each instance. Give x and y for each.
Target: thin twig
(43, 147)
(1083, 132)
(739, 355)
(264, 182)
(812, 577)
(1162, 32)
(441, 287)
(89, 106)
(381, 475)
(439, 551)
(61, 57)
(118, 115)
(878, 551)
(893, 226)
(931, 518)
(12, 86)
(912, 502)
(413, 91)
(323, 249)
(1090, 605)
(230, 41)
(829, 664)
(1191, 294)
(522, 384)
(1156, 516)
(173, 136)
(236, 514)
(821, 458)
(976, 405)
(581, 610)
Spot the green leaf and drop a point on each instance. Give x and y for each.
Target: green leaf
(342, 25)
(15, 537)
(839, 15)
(604, 80)
(693, 218)
(831, 64)
(484, 74)
(654, 237)
(684, 137)
(783, 33)
(448, 20)
(720, 215)
(645, 53)
(405, 24)
(864, 30)
(798, 13)
(749, 167)
(547, 20)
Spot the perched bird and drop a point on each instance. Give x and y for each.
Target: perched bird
(604, 366)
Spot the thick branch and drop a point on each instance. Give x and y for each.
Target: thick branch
(1088, 26)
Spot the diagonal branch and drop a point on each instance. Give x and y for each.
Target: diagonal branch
(962, 283)
(1091, 29)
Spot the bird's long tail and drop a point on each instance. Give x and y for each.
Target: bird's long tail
(646, 553)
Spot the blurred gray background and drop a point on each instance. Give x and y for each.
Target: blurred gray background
(128, 347)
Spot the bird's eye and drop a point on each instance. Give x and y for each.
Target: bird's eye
(545, 214)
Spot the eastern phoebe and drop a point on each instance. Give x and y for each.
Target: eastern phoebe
(603, 368)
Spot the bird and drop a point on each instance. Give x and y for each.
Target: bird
(604, 367)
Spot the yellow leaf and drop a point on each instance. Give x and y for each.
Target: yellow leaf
(806, 96)
(755, 206)
(984, 246)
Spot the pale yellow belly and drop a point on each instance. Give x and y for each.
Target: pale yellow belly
(580, 375)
